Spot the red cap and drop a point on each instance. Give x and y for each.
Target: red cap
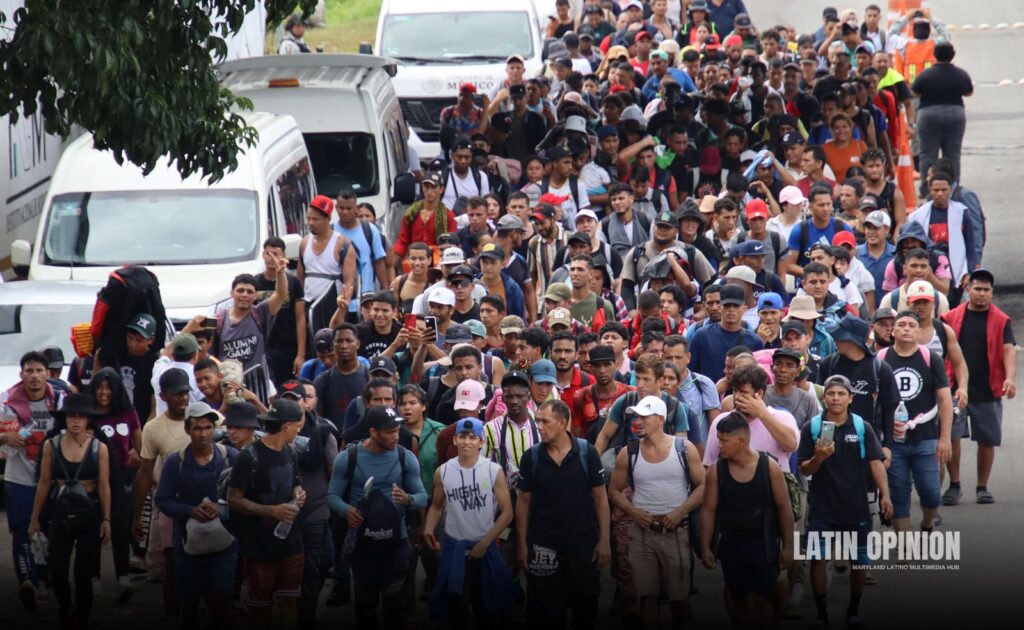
(618, 87)
(733, 40)
(552, 198)
(641, 34)
(756, 209)
(323, 203)
(842, 237)
(467, 87)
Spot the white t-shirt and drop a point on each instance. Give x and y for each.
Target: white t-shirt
(582, 66)
(848, 294)
(776, 225)
(464, 187)
(163, 364)
(569, 207)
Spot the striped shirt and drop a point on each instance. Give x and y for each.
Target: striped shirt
(517, 441)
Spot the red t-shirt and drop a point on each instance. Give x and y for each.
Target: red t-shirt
(585, 413)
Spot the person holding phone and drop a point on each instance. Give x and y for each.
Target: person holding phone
(838, 448)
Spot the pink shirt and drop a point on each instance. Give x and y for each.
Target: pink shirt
(890, 282)
(760, 439)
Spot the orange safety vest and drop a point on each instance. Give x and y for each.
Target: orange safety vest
(917, 57)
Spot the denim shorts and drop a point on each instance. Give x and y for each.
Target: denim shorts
(917, 460)
(862, 530)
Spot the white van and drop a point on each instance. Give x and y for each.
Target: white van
(349, 115)
(445, 43)
(196, 237)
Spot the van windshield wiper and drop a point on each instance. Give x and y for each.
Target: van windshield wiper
(479, 58)
(428, 59)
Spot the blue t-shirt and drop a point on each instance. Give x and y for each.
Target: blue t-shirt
(385, 470)
(709, 345)
(815, 235)
(876, 266)
(366, 254)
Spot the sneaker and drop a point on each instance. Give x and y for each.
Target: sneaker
(27, 595)
(97, 587)
(985, 497)
(127, 589)
(951, 496)
(937, 520)
(840, 566)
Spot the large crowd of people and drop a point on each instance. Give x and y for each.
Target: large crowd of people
(660, 307)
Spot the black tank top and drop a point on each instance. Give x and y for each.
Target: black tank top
(90, 464)
(742, 506)
(406, 304)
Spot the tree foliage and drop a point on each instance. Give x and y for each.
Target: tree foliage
(138, 74)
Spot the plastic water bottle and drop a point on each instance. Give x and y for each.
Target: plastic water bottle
(899, 433)
(282, 529)
(9, 451)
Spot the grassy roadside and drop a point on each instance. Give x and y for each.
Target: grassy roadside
(349, 22)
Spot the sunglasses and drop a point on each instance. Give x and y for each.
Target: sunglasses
(465, 282)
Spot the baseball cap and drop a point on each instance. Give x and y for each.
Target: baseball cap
(665, 217)
(757, 209)
(185, 343)
(469, 394)
(592, 8)
(842, 237)
(558, 291)
(607, 131)
(517, 91)
(556, 153)
(883, 313)
(433, 178)
(742, 20)
(144, 324)
(283, 410)
(792, 326)
(649, 406)
(659, 54)
(575, 123)
(601, 353)
(669, 46)
(54, 357)
(366, 296)
(381, 419)
(586, 212)
(733, 294)
(559, 317)
(543, 211)
(878, 218)
(564, 62)
(241, 414)
(514, 58)
(464, 271)
(470, 425)
(448, 238)
(453, 256)
(174, 381)
(550, 199)
(385, 364)
(750, 247)
(920, 290)
(578, 237)
(748, 156)
(293, 389)
(467, 88)
(442, 296)
(511, 222)
(868, 203)
(203, 410)
(793, 195)
(787, 353)
(733, 40)
(515, 377)
(458, 333)
(323, 340)
(476, 327)
(543, 371)
(323, 203)
(742, 273)
(982, 274)
(511, 324)
(838, 380)
(491, 252)
(769, 301)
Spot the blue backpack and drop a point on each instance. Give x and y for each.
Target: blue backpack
(858, 426)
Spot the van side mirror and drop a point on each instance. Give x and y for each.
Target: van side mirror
(405, 188)
(291, 245)
(365, 48)
(21, 256)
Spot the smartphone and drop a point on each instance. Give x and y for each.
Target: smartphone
(210, 323)
(410, 321)
(828, 432)
(431, 324)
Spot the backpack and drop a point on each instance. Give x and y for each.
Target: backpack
(353, 455)
(381, 531)
(216, 535)
(641, 250)
(638, 217)
(574, 189)
(838, 223)
(693, 516)
(631, 398)
(461, 200)
(926, 354)
(858, 426)
(71, 505)
(129, 291)
(876, 368)
(234, 522)
(584, 445)
(225, 473)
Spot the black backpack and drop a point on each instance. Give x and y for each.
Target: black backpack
(71, 505)
(381, 531)
(574, 189)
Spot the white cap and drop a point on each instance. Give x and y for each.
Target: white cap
(442, 295)
(878, 219)
(586, 212)
(792, 194)
(576, 123)
(743, 273)
(453, 256)
(748, 156)
(649, 406)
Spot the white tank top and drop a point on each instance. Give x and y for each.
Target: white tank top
(935, 345)
(660, 487)
(319, 267)
(469, 493)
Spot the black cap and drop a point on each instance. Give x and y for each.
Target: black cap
(242, 415)
(883, 313)
(515, 376)
(461, 270)
(793, 325)
(592, 8)
(556, 153)
(787, 353)
(791, 138)
(601, 353)
(518, 89)
(282, 410)
(381, 418)
(983, 274)
(502, 122)
(733, 294)
(742, 20)
(293, 389)
(383, 364)
(579, 237)
(667, 218)
(174, 381)
(54, 357)
(448, 238)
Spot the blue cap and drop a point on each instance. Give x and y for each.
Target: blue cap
(470, 425)
(607, 131)
(749, 248)
(769, 300)
(543, 371)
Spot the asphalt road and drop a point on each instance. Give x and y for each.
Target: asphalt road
(984, 588)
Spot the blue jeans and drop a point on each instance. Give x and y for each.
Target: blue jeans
(917, 460)
(19, 514)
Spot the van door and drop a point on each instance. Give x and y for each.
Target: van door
(295, 189)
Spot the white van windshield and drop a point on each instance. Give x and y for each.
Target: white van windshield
(487, 36)
(343, 160)
(158, 227)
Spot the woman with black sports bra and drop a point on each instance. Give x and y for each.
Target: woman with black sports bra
(75, 455)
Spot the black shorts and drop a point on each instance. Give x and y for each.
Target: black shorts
(747, 567)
